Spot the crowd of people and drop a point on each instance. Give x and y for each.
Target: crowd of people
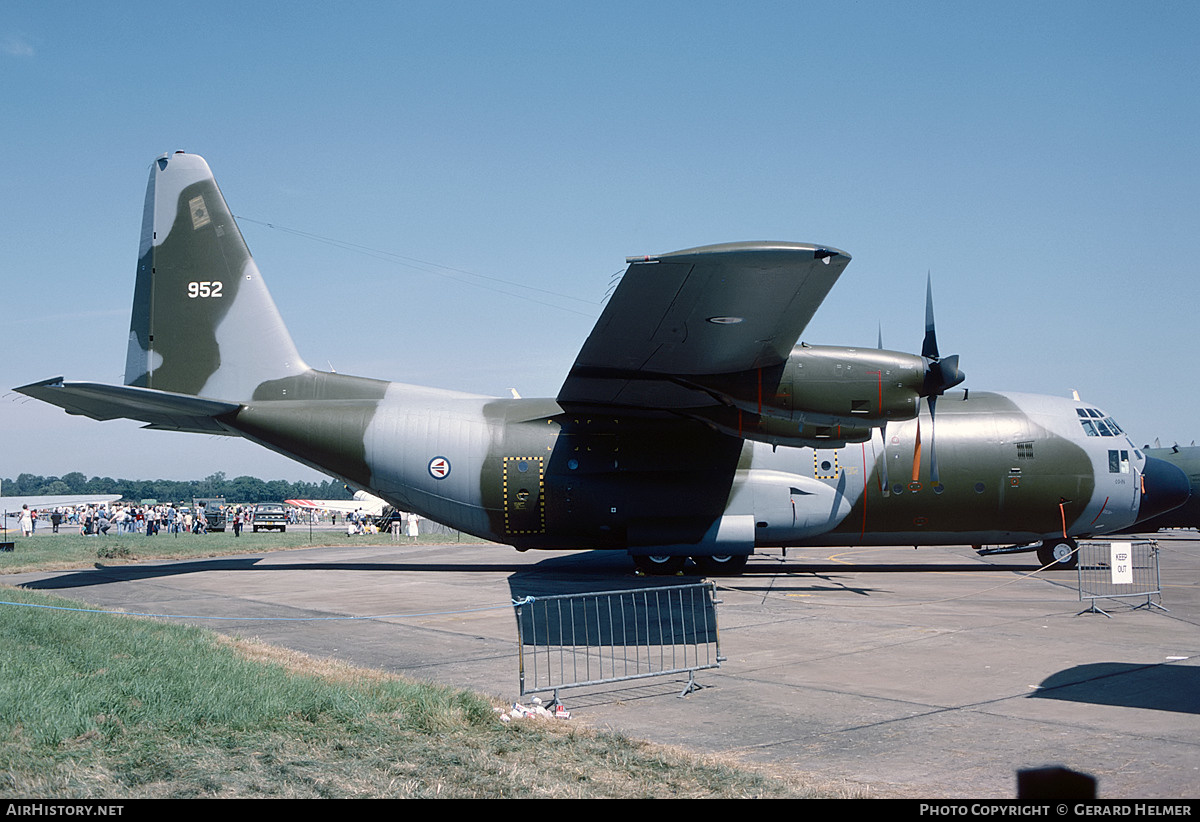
(101, 520)
(358, 522)
(126, 518)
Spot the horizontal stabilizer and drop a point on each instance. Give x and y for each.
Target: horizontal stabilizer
(161, 409)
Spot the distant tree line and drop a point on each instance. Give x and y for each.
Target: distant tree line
(238, 489)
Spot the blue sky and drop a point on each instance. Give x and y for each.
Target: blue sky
(1038, 159)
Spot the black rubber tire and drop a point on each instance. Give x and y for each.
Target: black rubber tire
(659, 566)
(1060, 554)
(722, 566)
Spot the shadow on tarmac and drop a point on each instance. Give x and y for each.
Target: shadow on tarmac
(584, 570)
(573, 572)
(1161, 687)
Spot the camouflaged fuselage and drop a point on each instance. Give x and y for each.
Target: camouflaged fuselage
(525, 472)
(690, 424)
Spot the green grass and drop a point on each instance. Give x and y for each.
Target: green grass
(108, 706)
(45, 551)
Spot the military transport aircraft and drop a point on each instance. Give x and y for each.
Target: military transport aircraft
(1187, 459)
(691, 424)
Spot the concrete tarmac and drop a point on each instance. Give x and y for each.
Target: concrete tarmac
(915, 673)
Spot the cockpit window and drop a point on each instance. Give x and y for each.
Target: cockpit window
(1095, 424)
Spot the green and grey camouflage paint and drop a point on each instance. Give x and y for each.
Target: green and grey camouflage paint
(203, 322)
(690, 424)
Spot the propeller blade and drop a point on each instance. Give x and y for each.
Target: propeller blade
(941, 373)
(929, 345)
(933, 466)
(934, 476)
(916, 474)
(883, 474)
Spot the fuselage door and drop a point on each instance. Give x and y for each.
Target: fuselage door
(524, 501)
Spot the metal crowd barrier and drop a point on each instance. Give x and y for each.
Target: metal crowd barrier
(1119, 570)
(572, 640)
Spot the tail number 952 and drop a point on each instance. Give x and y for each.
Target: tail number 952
(205, 288)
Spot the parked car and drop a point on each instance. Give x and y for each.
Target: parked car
(270, 515)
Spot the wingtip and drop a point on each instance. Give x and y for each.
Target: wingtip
(825, 253)
(53, 382)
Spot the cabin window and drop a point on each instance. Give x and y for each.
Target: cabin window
(1118, 462)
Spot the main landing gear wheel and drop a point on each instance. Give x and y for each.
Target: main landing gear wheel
(722, 566)
(659, 565)
(1059, 554)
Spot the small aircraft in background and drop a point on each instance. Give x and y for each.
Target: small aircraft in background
(690, 426)
(13, 505)
(367, 504)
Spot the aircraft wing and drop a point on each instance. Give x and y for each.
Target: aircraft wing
(720, 309)
(160, 409)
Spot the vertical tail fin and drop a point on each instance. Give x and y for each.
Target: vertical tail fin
(203, 321)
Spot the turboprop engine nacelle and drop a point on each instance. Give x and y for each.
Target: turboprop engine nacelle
(828, 396)
(852, 386)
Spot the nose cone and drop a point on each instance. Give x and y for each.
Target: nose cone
(1166, 488)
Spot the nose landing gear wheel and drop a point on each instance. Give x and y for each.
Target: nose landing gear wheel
(1060, 552)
